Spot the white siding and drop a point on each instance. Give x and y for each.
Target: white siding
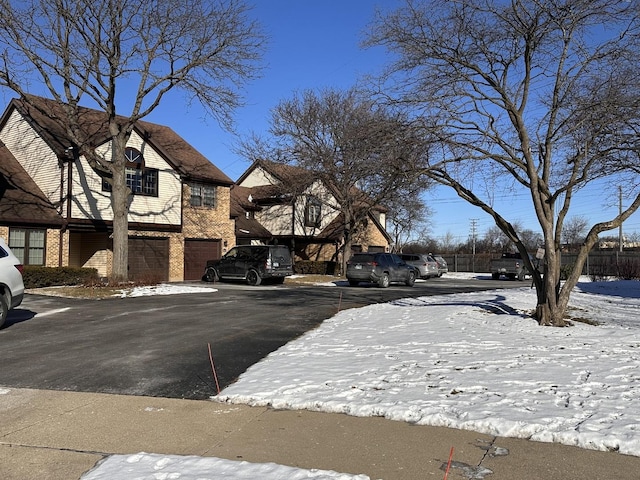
(276, 219)
(329, 209)
(258, 178)
(34, 155)
(89, 201)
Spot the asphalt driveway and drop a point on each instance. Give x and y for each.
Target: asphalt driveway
(159, 345)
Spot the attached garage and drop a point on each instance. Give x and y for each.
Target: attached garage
(196, 254)
(149, 259)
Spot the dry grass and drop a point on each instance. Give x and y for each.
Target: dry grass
(99, 291)
(312, 279)
(91, 293)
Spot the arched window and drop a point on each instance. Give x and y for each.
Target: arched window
(141, 180)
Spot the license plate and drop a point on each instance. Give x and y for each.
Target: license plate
(276, 264)
(358, 267)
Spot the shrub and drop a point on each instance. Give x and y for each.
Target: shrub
(38, 277)
(565, 271)
(310, 267)
(629, 269)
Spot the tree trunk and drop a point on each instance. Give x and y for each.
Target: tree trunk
(120, 194)
(120, 267)
(550, 309)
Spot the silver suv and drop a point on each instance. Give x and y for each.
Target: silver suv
(11, 285)
(426, 264)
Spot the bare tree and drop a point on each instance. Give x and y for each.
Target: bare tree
(366, 153)
(125, 57)
(448, 243)
(407, 217)
(539, 96)
(575, 230)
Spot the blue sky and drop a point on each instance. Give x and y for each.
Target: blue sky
(314, 44)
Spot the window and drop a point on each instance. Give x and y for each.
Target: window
(312, 212)
(203, 195)
(141, 180)
(27, 245)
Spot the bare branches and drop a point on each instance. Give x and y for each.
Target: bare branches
(125, 57)
(540, 92)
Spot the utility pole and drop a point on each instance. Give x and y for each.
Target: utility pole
(620, 212)
(474, 224)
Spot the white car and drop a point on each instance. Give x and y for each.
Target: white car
(11, 285)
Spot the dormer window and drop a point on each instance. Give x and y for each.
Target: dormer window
(140, 179)
(312, 212)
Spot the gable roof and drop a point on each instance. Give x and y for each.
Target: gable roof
(290, 175)
(246, 227)
(46, 117)
(21, 201)
(282, 172)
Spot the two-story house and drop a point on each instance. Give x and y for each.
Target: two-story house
(55, 209)
(300, 211)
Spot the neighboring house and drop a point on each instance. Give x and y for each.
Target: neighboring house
(301, 212)
(248, 230)
(55, 209)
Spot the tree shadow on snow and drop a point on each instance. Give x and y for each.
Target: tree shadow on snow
(495, 305)
(617, 288)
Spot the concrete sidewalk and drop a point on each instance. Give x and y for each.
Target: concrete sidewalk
(52, 435)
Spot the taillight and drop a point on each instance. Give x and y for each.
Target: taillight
(374, 264)
(20, 268)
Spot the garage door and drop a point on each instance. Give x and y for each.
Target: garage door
(149, 259)
(196, 254)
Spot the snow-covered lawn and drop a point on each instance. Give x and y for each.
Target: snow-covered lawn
(472, 361)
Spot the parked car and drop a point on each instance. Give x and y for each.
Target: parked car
(11, 284)
(511, 265)
(426, 264)
(252, 263)
(442, 265)
(380, 268)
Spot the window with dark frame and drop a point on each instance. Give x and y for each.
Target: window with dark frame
(312, 212)
(141, 180)
(202, 195)
(28, 245)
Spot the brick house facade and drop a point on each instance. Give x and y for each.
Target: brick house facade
(58, 214)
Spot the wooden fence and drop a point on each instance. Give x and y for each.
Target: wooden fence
(598, 263)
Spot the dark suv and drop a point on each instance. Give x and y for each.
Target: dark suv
(252, 263)
(380, 268)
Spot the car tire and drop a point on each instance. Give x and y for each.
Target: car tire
(210, 275)
(495, 276)
(253, 278)
(411, 280)
(353, 283)
(4, 310)
(384, 280)
(278, 280)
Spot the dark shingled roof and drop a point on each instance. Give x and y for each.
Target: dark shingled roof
(246, 227)
(47, 117)
(21, 201)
